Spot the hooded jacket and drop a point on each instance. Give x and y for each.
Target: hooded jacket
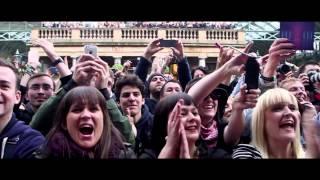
(19, 141)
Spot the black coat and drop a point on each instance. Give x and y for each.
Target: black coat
(144, 128)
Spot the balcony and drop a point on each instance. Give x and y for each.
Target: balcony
(138, 36)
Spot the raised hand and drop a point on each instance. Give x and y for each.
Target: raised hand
(126, 65)
(280, 49)
(289, 75)
(47, 47)
(131, 120)
(178, 50)
(152, 48)
(184, 146)
(311, 130)
(225, 55)
(236, 65)
(172, 147)
(84, 72)
(303, 77)
(245, 99)
(102, 74)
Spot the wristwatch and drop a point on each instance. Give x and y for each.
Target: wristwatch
(269, 79)
(56, 62)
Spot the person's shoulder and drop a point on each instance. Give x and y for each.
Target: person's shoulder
(24, 131)
(127, 152)
(22, 140)
(246, 151)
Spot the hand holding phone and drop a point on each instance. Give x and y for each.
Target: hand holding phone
(252, 68)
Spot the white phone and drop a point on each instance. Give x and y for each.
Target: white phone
(91, 49)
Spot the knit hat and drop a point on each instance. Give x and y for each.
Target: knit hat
(147, 92)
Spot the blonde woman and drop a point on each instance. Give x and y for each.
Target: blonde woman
(276, 128)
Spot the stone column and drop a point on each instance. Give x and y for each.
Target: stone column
(117, 60)
(202, 61)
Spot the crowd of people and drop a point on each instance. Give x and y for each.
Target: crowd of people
(93, 111)
(141, 24)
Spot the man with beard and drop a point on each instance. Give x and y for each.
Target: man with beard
(154, 85)
(40, 87)
(157, 80)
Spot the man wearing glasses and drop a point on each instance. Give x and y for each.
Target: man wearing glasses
(40, 87)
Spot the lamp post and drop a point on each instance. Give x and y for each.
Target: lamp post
(17, 59)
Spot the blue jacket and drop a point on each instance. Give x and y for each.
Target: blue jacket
(19, 141)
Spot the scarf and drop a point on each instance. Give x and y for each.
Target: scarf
(58, 148)
(210, 135)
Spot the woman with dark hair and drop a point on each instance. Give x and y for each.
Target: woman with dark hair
(83, 129)
(199, 72)
(218, 137)
(171, 112)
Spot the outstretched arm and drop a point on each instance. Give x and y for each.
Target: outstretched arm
(48, 48)
(209, 82)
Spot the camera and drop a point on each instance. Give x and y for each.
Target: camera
(314, 76)
(284, 68)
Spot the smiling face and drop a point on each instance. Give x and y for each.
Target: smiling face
(198, 73)
(85, 124)
(191, 121)
(170, 88)
(281, 122)
(156, 84)
(276, 121)
(297, 89)
(39, 90)
(131, 98)
(9, 96)
(207, 110)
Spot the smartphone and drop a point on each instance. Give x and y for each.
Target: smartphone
(91, 49)
(252, 68)
(168, 43)
(301, 34)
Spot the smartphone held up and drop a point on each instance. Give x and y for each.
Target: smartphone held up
(168, 43)
(91, 49)
(252, 74)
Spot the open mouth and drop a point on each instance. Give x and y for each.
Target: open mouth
(86, 129)
(301, 98)
(287, 124)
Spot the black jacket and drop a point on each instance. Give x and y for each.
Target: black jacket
(151, 103)
(25, 114)
(144, 128)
